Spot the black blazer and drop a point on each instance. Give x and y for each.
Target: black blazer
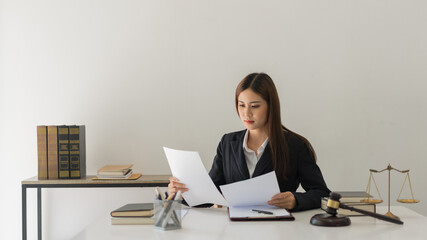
(230, 166)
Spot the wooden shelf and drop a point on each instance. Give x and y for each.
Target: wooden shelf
(143, 181)
(86, 182)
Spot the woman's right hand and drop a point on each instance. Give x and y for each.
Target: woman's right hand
(175, 186)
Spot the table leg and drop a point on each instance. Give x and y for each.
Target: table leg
(39, 213)
(24, 212)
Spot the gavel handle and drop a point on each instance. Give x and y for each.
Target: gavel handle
(375, 215)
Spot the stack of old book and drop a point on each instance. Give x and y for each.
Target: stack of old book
(61, 151)
(133, 214)
(352, 199)
(115, 172)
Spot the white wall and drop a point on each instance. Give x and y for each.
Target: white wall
(143, 74)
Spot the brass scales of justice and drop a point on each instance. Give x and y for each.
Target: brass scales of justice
(401, 200)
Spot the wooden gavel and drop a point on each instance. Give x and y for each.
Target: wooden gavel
(334, 203)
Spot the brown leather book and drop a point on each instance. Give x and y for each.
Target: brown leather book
(42, 152)
(52, 152)
(77, 151)
(64, 153)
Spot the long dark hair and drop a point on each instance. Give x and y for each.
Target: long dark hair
(263, 85)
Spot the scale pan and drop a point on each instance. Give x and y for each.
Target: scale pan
(408, 200)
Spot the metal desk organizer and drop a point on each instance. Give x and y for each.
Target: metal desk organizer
(167, 214)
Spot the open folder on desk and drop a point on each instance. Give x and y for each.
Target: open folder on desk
(247, 200)
(242, 197)
(258, 213)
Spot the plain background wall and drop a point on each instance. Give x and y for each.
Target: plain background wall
(145, 74)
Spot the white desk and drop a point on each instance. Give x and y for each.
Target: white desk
(214, 224)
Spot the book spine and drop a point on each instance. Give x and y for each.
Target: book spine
(76, 138)
(64, 154)
(42, 152)
(52, 152)
(82, 138)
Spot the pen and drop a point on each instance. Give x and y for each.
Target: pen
(160, 193)
(170, 197)
(158, 196)
(177, 195)
(262, 211)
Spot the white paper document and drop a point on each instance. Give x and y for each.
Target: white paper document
(254, 191)
(245, 197)
(188, 168)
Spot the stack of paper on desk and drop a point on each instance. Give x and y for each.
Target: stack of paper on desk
(241, 197)
(244, 196)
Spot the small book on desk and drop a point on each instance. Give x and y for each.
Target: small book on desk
(134, 210)
(132, 221)
(133, 214)
(134, 176)
(353, 196)
(125, 176)
(114, 170)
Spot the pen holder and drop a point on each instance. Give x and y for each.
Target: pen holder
(167, 214)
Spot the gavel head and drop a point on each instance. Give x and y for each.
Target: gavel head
(333, 203)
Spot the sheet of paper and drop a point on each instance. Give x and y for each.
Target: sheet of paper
(188, 168)
(254, 191)
(243, 212)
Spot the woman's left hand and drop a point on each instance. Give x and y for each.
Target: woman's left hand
(283, 200)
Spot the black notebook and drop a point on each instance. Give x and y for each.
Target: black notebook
(134, 210)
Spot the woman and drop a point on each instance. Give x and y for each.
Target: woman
(264, 146)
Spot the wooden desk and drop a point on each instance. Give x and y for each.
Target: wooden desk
(213, 224)
(87, 182)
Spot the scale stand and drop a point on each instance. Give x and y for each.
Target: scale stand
(368, 189)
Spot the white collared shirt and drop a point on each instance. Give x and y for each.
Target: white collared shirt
(251, 157)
